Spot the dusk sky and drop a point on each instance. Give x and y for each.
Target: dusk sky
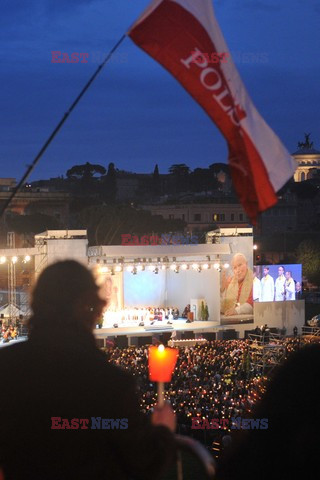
(135, 113)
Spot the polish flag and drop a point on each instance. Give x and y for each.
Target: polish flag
(184, 37)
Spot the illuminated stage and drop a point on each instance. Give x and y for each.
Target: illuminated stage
(158, 328)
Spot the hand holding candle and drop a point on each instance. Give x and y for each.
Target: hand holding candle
(161, 365)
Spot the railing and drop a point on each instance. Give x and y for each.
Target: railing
(315, 331)
(206, 460)
(267, 337)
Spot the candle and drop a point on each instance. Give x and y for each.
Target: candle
(161, 365)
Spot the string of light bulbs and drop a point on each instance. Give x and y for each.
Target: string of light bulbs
(14, 259)
(176, 267)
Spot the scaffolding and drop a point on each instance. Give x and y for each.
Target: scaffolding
(266, 351)
(311, 334)
(12, 284)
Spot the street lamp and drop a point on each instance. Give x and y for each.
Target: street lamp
(255, 248)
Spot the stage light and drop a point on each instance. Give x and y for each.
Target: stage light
(205, 266)
(14, 259)
(3, 260)
(173, 266)
(184, 266)
(130, 268)
(104, 269)
(139, 268)
(27, 258)
(151, 267)
(226, 265)
(163, 267)
(118, 268)
(216, 266)
(195, 266)
(255, 247)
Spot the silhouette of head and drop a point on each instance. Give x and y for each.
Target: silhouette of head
(66, 294)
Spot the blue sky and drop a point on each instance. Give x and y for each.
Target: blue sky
(136, 114)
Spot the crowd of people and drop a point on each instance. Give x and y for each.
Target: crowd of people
(8, 332)
(59, 370)
(215, 380)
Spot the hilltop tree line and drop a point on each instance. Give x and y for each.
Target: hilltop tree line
(94, 204)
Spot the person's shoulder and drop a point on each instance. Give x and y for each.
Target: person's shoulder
(113, 370)
(12, 353)
(13, 349)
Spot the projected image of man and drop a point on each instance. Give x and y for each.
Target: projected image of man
(267, 286)
(236, 291)
(279, 285)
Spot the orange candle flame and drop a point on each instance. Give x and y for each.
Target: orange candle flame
(161, 363)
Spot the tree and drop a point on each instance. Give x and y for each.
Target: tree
(83, 175)
(109, 194)
(304, 190)
(180, 173)
(156, 185)
(202, 180)
(35, 223)
(29, 225)
(308, 254)
(106, 223)
(179, 169)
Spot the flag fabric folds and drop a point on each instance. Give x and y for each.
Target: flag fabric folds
(185, 38)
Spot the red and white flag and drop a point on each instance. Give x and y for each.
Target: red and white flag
(184, 37)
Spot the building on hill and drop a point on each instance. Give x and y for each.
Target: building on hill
(7, 184)
(308, 160)
(200, 216)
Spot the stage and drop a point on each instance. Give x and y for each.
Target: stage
(158, 328)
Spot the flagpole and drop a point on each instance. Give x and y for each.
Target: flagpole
(60, 124)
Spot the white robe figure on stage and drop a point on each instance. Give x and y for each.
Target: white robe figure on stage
(256, 289)
(290, 287)
(279, 285)
(267, 286)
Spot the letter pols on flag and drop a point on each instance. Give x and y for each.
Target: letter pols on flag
(178, 34)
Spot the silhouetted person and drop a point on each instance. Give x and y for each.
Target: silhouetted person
(290, 447)
(59, 373)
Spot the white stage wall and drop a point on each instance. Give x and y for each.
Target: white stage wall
(275, 314)
(171, 289)
(144, 289)
(191, 284)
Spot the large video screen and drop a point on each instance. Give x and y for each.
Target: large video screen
(277, 283)
(236, 302)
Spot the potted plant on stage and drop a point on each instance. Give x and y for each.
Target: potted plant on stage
(206, 313)
(202, 312)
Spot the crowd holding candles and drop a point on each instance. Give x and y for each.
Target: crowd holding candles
(212, 380)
